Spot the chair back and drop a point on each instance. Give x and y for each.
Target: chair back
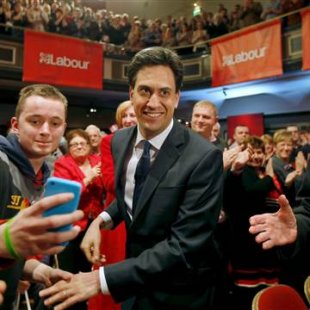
(278, 297)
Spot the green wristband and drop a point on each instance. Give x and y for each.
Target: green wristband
(7, 240)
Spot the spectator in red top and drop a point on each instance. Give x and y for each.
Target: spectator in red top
(81, 166)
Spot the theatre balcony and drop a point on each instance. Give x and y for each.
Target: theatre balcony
(264, 68)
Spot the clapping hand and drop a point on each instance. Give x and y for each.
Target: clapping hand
(242, 158)
(93, 173)
(229, 156)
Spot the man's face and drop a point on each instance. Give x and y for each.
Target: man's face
(40, 126)
(154, 99)
(94, 136)
(203, 120)
(215, 131)
(241, 133)
(295, 133)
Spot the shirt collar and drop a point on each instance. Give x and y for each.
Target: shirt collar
(158, 140)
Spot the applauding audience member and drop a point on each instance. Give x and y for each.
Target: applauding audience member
(84, 167)
(250, 192)
(287, 173)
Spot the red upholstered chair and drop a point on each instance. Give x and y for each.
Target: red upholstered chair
(278, 297)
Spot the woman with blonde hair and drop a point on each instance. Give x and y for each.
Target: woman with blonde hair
(287, 173)
(269, 147)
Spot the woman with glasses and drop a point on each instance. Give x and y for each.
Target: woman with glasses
(81, 166)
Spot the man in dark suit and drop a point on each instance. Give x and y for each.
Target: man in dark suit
(172, 258)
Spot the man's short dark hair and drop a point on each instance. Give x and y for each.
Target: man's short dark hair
(42, 90)
(156, 56)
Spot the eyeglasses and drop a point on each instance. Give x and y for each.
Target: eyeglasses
(76, 144)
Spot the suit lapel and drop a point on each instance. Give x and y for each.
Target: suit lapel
(122, 145)
(167, 155)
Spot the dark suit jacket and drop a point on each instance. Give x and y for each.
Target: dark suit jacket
(296, 257)
(172, 258)
(302, 212)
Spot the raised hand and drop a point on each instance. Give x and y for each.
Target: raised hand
(96, 170)
(242, 158)
(275, 229)
(229, 156)
(300, 163)
(269, 168)
(30, 231)
(93, 173)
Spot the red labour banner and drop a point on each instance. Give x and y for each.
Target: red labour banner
(62, 61)
(306, 39)
(249, 54)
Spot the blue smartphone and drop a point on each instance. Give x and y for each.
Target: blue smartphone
(55, 186)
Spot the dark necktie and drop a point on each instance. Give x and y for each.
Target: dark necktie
(142, 170)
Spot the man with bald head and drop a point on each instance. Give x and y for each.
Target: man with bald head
(95, 137)
(215, 137)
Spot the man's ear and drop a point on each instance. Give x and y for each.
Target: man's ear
(65, 127)
(14, 125)
(130, 92)
(177, 99)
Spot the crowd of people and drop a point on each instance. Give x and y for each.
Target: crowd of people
(210, 226)
(131, 34)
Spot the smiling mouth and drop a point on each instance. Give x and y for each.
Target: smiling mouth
(153, 114)
(43, 142)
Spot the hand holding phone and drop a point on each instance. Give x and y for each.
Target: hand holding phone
(55, 186)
